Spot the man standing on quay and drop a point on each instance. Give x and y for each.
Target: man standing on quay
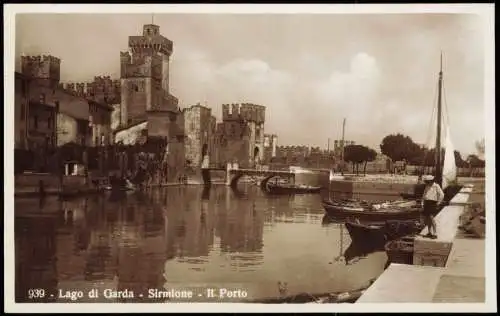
(432, 197)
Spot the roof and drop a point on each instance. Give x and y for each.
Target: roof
(123, 128)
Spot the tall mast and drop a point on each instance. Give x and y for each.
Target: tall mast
(438, 174)
(342, 146)
(343, 134)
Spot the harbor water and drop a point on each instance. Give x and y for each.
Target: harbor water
(184, 238)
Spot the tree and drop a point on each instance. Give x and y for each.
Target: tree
(459, 160)
(474, 163)
(370, 155)
(357, 154)
(399, 147)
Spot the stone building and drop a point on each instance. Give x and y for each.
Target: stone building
(337, 146)
(97, 122)
(55, 115)
(240, 135)
(270, 147)
(147, 107)
(200, 129)
(21, 120)
(105, 96)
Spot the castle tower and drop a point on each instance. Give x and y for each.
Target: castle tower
(45, 70)
(144, 73)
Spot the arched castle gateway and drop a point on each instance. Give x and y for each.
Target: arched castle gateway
(240, 135)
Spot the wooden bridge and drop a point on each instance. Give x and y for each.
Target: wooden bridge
(233, 175)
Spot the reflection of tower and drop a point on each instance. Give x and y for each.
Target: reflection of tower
(97, 266)
(195, 221)
(241, 228)
(35, 257)
(142, 253)
(153, 249)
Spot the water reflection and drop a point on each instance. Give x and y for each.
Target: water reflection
(179, 236)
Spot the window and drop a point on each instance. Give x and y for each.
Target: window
(42, 98)
(35, 121)
(49, 122)
(23, 110)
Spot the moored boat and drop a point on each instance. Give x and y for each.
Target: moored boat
(272, 188)
(400, 250)
(372, 213)
(377, 235)
(371, 234)
(120, 184)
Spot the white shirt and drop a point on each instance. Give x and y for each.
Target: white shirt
(205, 163)
(433, 192)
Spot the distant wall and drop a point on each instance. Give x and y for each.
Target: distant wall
(352, 188)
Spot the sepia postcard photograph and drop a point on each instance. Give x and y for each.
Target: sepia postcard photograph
(305, 158)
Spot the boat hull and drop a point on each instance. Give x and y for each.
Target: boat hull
(364, 214)
(373, 235)
(284, 190)
(400, 251)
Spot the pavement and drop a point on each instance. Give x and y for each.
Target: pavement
(461, 279)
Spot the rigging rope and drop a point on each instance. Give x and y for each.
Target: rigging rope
(431, 125)
(446, 107)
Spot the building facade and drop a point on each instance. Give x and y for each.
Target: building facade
(21, 118)
(35, 88)
(200, 128)
(240, 135)
(145, 101)
(270, 147)
(338, 145)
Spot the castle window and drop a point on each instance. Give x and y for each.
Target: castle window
(35, 122)
(49, 122)
(42, 98)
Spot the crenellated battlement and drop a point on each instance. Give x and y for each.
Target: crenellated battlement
(41, 67)
(141, 65)
(244, 111)
(41, 58)
(77, 89)
(149, 44)
(103, 89)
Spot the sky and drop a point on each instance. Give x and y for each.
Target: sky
(378, 71)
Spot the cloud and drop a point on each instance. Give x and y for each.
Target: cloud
(352, 94)
(197, 78)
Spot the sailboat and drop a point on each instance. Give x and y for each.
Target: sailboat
(360, 212)
(401, 250)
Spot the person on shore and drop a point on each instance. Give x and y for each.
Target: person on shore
(432, 197)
